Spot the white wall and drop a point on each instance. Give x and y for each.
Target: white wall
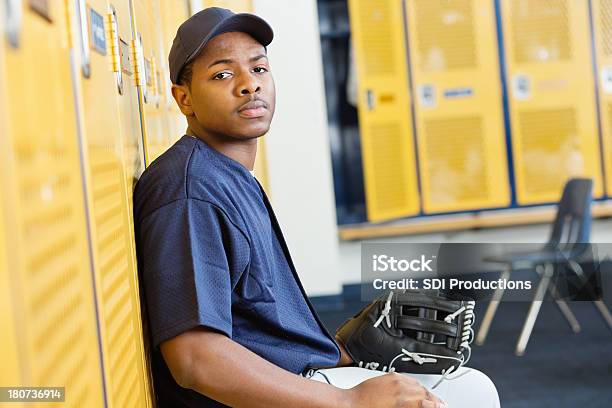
(195, 6)
(299, 159)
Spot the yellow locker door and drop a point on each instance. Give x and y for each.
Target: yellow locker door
(551, 96)
(172, 13)
(146, 38)
(458, 103)
(602, 21)
(10, 375)
(261, 165)
(106, 120)
(161, 76)
(131, 133)
(133, 157)
(385, 122)
(47, 252)
(237, 6)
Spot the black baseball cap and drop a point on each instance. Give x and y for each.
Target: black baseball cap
(200, 28)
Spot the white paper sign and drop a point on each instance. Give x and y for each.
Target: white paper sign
(606, 79)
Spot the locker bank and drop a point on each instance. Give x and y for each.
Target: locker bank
(397, 121)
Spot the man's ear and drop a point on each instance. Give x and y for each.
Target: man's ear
(182, 96)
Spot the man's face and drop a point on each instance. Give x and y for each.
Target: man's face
(232, 91)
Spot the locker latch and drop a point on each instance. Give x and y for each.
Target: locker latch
(370, 99)
(13, 21)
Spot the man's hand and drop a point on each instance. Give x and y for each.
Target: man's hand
(392, 390)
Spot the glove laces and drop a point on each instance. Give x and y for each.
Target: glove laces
(446, 373)
(467, 336)
(405, 355)
(385, 312)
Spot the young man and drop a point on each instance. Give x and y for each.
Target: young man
(229, 319)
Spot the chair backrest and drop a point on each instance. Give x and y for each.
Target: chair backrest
(573, 222)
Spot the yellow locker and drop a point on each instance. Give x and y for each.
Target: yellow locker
(551, 96)
(172, 13)
(261, 165)
(123, 66)
(10, 375)
(237, 6)
(602, 21)
(133, 154)
(46, 248)
(107, 119)
(385, 121)
(148, 77)
(458, 105)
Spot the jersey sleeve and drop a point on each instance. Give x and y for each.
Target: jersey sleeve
(190, 258)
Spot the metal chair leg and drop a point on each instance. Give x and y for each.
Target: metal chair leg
(521, 345)
(603, 309)
(565, 309)
(491, 309)
(600, 305)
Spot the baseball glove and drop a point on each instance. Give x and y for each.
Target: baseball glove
(411, 332)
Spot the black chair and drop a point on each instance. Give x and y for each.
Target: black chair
(568, 241)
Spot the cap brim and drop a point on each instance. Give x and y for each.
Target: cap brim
(255, 26)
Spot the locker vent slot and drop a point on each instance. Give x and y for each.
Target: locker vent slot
(54, 292)
(550, 149)
(388, 167)
(379, 43)
(114, 269)
(445, 32)
(605, 21)
(540, 30)
(455, 162)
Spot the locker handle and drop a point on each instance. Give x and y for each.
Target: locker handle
(81, 10)
(386, 98)
(14, 16)
(382, 98)
(139, 66)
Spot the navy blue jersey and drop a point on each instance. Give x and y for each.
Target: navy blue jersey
(211, 254)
